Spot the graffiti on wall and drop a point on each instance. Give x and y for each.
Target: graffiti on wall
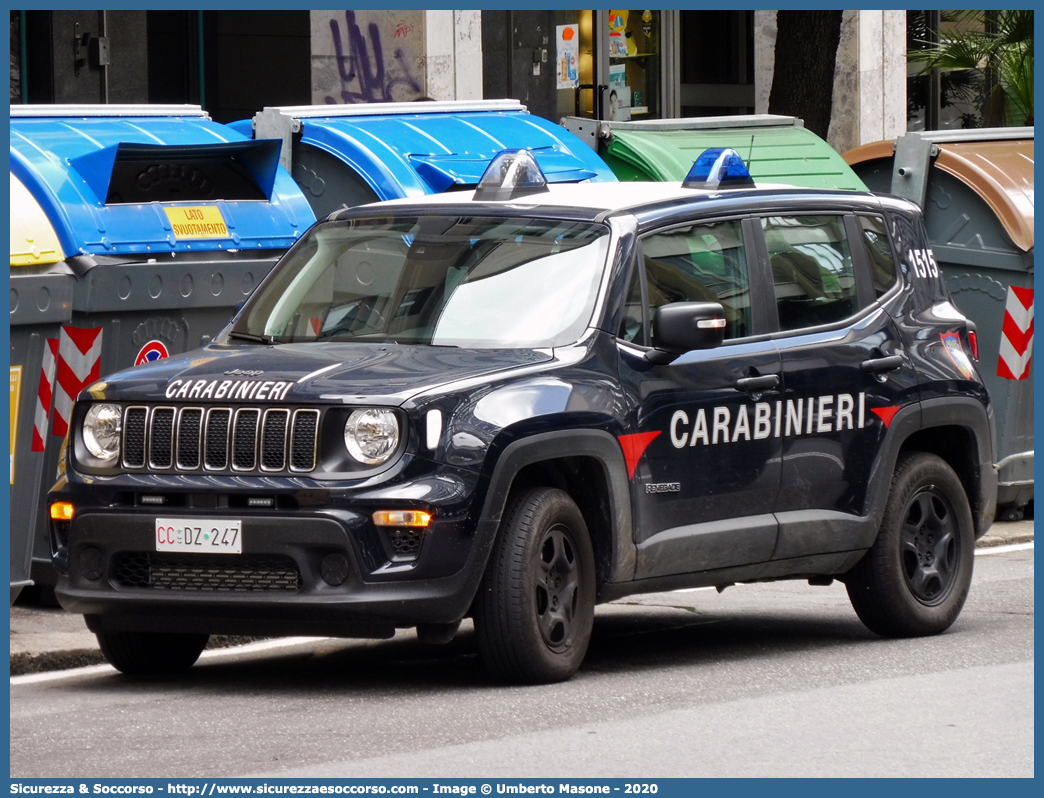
(364, 75)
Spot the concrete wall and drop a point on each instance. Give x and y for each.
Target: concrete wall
(869, 101)
(395, 56)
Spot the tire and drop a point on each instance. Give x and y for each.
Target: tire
(915, 578)
(151, 654)
(535, 608)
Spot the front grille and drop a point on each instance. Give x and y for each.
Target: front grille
(250, 573)
(218, 422)
(190, 427)
(273, 440)
(161, 438)
(221, 439)
(134, 437)
(244, 439)
(303, 440)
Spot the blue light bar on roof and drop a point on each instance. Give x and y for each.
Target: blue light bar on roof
(718, 167)
(511, 174)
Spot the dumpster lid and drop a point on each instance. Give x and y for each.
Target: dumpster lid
(33, 240)
(73, 110)
(117, 184)
(413, 149)
(779, 149)
(995, 163)
(1001, 172)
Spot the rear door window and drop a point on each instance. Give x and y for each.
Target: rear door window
(878, 253)
(812, 271)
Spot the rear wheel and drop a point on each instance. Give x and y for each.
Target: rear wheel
(151, 653)
(915, 578)
(535, 609)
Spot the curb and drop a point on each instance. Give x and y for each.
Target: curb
(987, 541)
(24, 662)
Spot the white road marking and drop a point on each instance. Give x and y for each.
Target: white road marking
(1003, 549)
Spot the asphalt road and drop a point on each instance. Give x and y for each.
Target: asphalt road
(764, 680)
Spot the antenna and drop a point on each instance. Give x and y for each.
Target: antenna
(750, 152)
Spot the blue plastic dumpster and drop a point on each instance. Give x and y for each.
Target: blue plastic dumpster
(165, 221)
(346, 155)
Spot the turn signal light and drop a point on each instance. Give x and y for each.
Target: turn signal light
(402, 518)
(61, 511)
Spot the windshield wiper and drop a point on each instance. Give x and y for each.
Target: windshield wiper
(245, 336)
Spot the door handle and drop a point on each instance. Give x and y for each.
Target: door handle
(877, 365)
(758, 383)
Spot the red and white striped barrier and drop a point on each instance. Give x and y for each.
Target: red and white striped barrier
(79, 364)
(1016, 344)
(44, 394)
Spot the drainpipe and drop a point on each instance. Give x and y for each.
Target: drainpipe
(23, 58)
(105, 67)
(202, 82)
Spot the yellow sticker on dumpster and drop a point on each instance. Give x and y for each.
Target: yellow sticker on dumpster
(16, 391)
(202, 221)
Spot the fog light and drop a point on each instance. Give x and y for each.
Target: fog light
(334, 569)
(401, 518)
(260, 501)
(90, 562)
(61, 511)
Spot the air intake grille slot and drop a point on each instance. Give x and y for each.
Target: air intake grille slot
(161, 438)
(206, 573)
(244, 440)
(273, 440)
(303, 440)
(190, 425)
(270, 440)
(134, 437)
(218, 422)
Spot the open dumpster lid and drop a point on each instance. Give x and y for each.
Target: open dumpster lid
(996, 163)
(33, 240)
(412, 149)
(783, 151)
(119, 180)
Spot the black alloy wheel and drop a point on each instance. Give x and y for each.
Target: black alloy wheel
(931, 546)
(557, 587)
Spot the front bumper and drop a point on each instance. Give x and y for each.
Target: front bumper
(318, 567)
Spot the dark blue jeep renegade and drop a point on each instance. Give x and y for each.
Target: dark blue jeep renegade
(516, 402)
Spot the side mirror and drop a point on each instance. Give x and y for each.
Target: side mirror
(680, 327)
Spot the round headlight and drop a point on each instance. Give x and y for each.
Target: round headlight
(371, 435)
(101, 431)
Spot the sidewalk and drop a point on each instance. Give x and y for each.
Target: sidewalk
(52, 639)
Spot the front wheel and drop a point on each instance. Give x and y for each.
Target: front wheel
(151, 653)
(535, 608)
(915, 578)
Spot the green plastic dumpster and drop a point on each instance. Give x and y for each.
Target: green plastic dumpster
(779, 148)
(976, 189)
(162, 221)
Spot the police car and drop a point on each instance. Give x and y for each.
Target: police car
(516, 402)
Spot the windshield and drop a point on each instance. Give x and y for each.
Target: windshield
(477, 282)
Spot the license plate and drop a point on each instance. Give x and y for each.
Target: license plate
(203, 535)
